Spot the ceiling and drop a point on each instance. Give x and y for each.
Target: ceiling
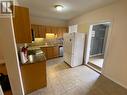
(72, 8)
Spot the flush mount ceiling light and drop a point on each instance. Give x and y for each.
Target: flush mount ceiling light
(59, 7)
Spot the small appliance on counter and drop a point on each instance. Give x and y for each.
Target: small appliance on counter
(23, 54)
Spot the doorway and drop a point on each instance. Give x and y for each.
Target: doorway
(96, 45)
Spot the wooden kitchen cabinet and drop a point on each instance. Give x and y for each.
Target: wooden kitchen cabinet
(35, 30)
(34, 76)
(48, 29)
(60, 31)
(42, 31)
(21, 23)
(51, 52)
(55, 52)
(39, 31)
(44, 49)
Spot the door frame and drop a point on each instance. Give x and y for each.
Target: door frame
(88, 42)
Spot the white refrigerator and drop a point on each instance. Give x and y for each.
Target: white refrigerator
(74, 48)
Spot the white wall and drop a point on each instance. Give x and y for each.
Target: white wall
(115, 66)
(8, 44)
(1, 52)
(47, 21)
(1, 56)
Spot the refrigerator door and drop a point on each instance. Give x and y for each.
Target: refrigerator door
(74, 48)
(68, 47)
(78, 51)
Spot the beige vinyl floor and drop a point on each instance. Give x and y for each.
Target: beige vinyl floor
(63, 80)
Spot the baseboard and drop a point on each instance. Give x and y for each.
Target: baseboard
(124, 86)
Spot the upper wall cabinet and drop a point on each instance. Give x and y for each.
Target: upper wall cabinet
(35, 30)
(41, 30)
(21, 22)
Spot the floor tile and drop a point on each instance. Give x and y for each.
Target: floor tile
(81, 80)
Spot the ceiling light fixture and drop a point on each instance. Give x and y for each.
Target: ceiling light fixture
(59, 7)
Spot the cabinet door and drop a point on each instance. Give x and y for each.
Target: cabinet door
(48, 29)
(36, 31)
(34, 76)
(39, 31)
(65, 30)
(33, 27)
(44, 49)
(55, 52)
(49, 52)
(42, 31)
(21, 22)
(54, 31)
(60, 32)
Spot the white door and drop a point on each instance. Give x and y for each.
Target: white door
(88, 43)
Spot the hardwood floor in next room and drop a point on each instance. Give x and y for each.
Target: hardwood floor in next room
(63, 80)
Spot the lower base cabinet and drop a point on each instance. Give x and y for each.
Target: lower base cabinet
(51, 52)
(34, 76)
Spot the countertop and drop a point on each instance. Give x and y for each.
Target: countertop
(35, 56)
(41, 46)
